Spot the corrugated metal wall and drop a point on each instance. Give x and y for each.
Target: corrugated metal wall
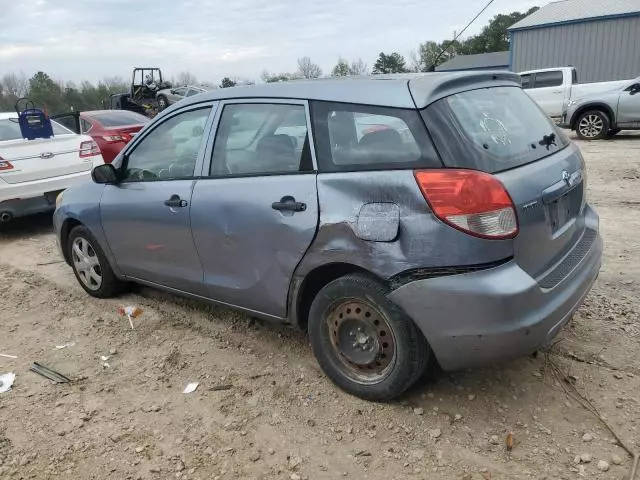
(600, 50)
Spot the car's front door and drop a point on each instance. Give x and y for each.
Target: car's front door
(177, 94)
(255, 210)
(548, 92)
(146, 217)
(629, 107)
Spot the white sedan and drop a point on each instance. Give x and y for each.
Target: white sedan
(34, 172)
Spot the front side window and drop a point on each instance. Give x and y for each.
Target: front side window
(359, 137)
(526, 81)
(170, 151)
(182, 91)
(492, 129)
(548, 79)
(84, 125)
(193, 91)
(260, 138)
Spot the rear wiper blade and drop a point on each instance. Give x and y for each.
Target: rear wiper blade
(548, 140)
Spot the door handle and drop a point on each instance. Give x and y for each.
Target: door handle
(289, 204)
(176, 202)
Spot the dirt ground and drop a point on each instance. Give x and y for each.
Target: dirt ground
(264, 410)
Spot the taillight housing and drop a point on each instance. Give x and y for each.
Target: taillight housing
(89, 149)
(473, 202)
(5, 165)
(121, 137)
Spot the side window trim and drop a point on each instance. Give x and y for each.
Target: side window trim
(214, 106)
(208, 153)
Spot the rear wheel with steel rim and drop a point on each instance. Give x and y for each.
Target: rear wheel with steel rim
(363, 342)
(592, 125)
(90, 264)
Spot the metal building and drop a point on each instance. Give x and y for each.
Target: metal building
(481, 61)
(601, 38)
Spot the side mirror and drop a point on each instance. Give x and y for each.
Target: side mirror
(105, 174)
(633, 89)
(173, 91)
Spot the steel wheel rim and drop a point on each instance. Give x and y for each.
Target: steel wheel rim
(86, 263)
(362, 341)
(591, 126)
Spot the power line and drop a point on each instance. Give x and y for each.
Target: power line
(435, 62)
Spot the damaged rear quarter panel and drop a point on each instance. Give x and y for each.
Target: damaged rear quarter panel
(380, 221)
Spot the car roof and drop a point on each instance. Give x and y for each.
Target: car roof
(5, 115)
(399, 91)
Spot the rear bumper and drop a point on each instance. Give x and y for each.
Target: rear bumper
(497, 314)
(27, 198)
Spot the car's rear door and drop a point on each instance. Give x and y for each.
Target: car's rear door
(146, 217)
(548, 92)
(255, 210)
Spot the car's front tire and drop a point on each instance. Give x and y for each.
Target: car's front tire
(592, 125)
(366, 344)
(90, 265)
(162, 103)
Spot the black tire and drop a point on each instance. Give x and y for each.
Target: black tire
(592, 125)
(109, 285)
(355, 308)
(612, 133)
(163, 103)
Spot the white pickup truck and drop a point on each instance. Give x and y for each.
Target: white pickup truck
(552, 88)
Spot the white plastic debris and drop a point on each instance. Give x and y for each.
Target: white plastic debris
(104, 358)
(6, 381)
(7, 356)
(191, 387)
(68, 344)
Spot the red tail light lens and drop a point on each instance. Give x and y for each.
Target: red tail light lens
(121, 137)
(473, 202)
(5, 165)
(89, 149)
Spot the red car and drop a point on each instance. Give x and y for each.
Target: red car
(111, 129)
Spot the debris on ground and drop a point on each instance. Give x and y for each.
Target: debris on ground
(7, 356)
(509, 441)
(603, 466)
(48, 373)
(130, 312)
(6, 381)
(191, 387)
(217, 388)
(65, 345)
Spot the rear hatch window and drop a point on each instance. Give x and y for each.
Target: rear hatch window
(492, 129)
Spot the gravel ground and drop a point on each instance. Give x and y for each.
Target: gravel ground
(263, 409)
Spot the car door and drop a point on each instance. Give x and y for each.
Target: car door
(255, 210)
(146, 217)
(629, 107)
(547, 91)
(177, 94)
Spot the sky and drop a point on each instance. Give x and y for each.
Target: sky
(76, 40)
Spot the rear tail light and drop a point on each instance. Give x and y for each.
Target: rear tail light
(121, 137)
(473, 202)
(5, 165)
(89, 149)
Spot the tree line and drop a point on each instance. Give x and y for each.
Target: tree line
(60, 96)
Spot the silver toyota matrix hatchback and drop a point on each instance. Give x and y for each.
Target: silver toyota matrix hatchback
(400, 221)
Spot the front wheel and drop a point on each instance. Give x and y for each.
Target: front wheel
(90, 265)
(367, 345)
(162, 102)
(592, 125)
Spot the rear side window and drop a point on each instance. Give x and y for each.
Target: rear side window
(359, 137)
(548, 79)
(492, 129)
(261, 139)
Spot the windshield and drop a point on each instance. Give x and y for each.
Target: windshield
(492, 129)
(10, 129)
(117, 119)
